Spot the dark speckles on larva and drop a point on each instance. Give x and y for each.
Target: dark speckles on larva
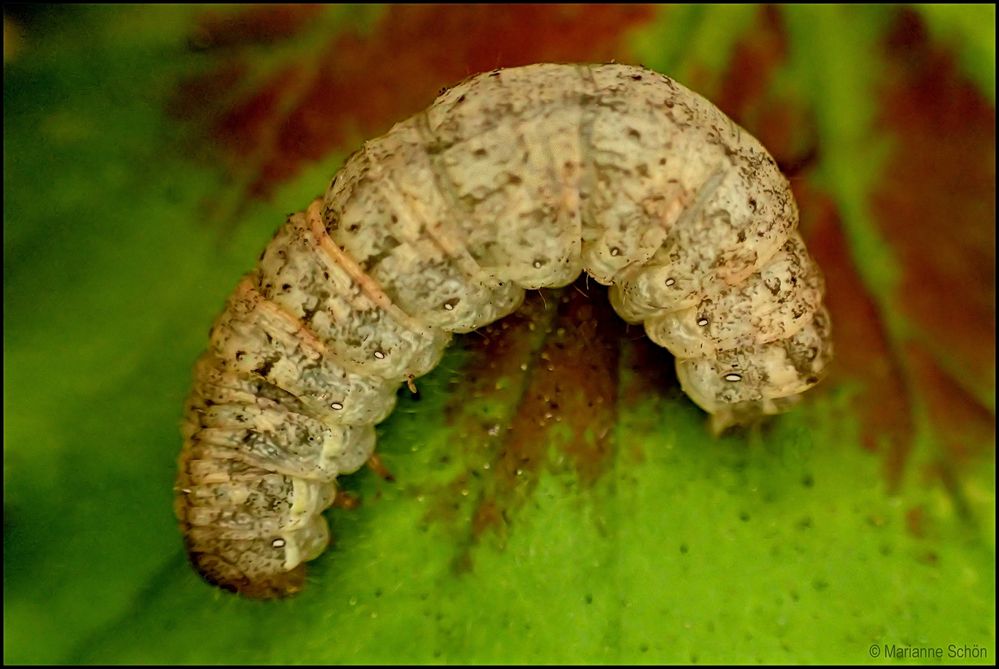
(509, 181)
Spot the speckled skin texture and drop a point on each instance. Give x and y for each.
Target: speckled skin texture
(514, 179)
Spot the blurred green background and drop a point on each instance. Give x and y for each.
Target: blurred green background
(556, 500)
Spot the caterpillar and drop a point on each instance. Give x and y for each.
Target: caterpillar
(512, 180)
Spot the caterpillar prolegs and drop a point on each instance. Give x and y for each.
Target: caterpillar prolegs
(514, 179)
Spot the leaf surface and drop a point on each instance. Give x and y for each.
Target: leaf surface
(556, 497)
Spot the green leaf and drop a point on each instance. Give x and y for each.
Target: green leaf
(556, 497)
(971, 30)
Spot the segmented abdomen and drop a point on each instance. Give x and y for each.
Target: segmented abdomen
(514, 179)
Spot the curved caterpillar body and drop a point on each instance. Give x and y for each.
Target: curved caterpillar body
(514, 179)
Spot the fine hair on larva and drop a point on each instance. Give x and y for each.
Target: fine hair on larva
(512, 180)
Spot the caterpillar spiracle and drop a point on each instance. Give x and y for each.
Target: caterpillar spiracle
(513, 179)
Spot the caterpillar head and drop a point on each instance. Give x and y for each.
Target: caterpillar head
(742, 385)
